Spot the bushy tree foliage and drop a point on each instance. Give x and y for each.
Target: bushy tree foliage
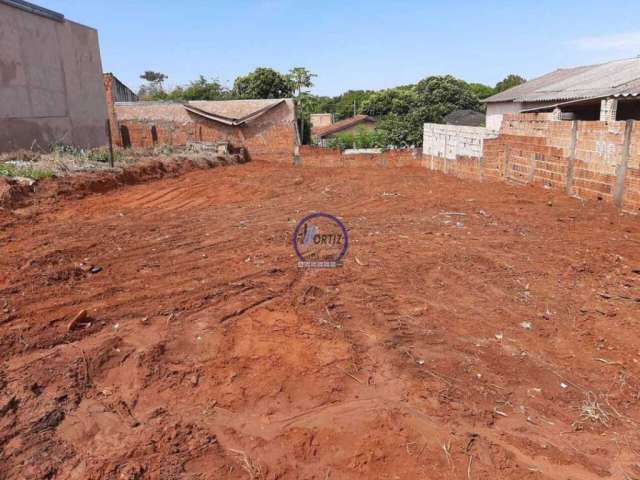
(508, 82)
(153, 86)
(301, 78)
(481, 90)
(202, 89)
(402, 111)
(362, 138)
(263, 83)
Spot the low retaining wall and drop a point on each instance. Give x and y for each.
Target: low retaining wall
(334, 157)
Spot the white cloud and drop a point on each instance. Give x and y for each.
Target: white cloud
(629, 41)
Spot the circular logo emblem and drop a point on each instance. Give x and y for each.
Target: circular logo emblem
(320, 240)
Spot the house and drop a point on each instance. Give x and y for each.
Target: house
(465, 118)
(322, 131)
(266, 129)
(51, 87)
(605, 92)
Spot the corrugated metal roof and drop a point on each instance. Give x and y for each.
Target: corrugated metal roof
(617, 78)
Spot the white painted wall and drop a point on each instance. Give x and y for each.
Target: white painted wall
(495, 111)
(449, 141)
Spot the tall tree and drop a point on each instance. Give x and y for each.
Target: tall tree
(301, 78)
(482, 90)
(155, 78)
(508, 82)
(154, 84)
(263, 83)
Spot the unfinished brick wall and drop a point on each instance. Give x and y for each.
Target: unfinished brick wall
(591, 160)
(332, 157)
(271, 137)
(108, 81)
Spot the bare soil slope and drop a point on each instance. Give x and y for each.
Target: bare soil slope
(476, 331)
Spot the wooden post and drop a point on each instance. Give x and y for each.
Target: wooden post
(621, 170)
(572, 158)
(108, 126)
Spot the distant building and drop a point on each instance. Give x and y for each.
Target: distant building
(465, 118)
(604, 92)
(321, 132)
(50, 80)
(266, 129)
(116, 91)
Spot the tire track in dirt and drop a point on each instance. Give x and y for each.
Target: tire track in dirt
(206, 339)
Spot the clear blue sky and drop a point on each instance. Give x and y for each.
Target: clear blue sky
(355, 44)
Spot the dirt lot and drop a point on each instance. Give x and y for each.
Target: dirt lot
(502, 343)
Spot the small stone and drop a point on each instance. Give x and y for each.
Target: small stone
(95, 269)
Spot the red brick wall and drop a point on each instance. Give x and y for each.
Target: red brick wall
(271, 137)
(111, 112)
(534, 149)
(333, 157)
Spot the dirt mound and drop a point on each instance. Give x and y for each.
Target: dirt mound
(12, 190)
(18, 193)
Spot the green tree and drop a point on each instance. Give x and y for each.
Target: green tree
(399, 131)
(263, 83)
(301, 78)
(440, 95)
(362, 138)
(481, 90)
(403, 111)
(201, 89)
(508, 82)
(154, 86)
(399, 101)
(349, 103)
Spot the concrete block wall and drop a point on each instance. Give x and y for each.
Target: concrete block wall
(311, 156)
(51, 86)
(451, 141)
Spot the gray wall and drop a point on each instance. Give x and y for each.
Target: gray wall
(451, 141)
(51, 87)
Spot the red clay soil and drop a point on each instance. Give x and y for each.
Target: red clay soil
(475, 331)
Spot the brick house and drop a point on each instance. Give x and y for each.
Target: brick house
(266, 129)
(323, 128)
